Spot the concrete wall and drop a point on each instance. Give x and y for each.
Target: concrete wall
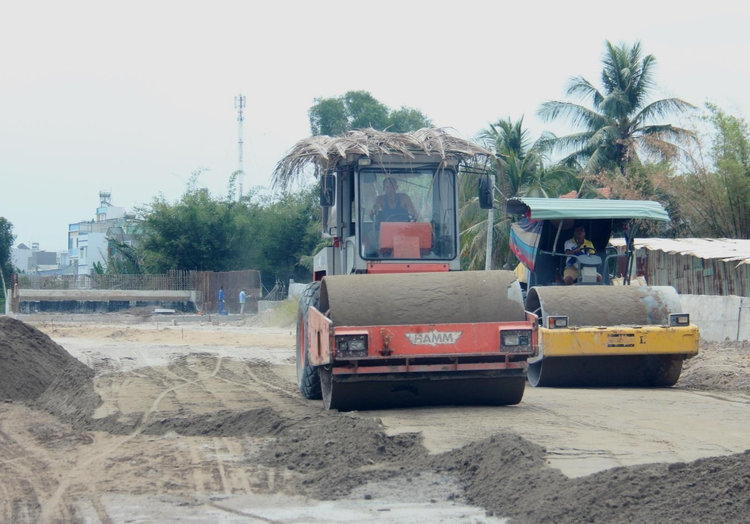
(295, 290)
(100, 301)
(719, 317)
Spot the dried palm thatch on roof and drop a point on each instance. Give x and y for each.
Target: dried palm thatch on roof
(324, 152)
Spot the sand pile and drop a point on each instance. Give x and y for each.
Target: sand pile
(29, 361)
(719, 366)
(508, 476)
(336, 453)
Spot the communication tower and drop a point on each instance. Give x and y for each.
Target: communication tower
(239, 105)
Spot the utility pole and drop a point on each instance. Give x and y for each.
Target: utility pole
(490, 226)
(239, 105)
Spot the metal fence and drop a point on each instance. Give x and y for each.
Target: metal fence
(691, 275)
(209, 283)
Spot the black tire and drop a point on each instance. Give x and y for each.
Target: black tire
(308, 379)
(629, 371)
(666, 372)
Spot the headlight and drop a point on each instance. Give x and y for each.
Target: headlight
(557, 322)
(679, 319)
(515, 341)
(348, 346)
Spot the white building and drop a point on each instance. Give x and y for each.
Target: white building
(88, 242)
(20, 257)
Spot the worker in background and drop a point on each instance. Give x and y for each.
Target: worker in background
(221, 300)
(243, 298)
(578, 245)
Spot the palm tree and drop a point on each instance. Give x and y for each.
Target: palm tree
(621, 122)
(525, 171)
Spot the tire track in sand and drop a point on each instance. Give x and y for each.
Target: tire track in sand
(52, 503)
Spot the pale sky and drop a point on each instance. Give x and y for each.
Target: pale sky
(133, 96)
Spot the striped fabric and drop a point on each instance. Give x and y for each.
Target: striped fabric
(524, 240)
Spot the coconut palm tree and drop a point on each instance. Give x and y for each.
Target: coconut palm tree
(621, 122)
(524, 171)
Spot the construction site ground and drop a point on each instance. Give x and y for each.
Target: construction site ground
(185, 420)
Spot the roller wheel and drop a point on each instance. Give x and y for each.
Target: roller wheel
(614, 371)
(332, 394)
(307, 375)
(666, 371)
(347, 396)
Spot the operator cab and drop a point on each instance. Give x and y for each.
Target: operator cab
(540, 244)
(407, 213)
(391, 214)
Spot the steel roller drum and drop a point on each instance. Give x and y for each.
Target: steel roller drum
(419, 299)
(587, 306)
(605, 305)
(422, 298)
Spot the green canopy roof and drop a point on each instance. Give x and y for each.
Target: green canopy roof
(558, 208)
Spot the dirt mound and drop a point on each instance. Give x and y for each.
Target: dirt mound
(263, 422)
(337, 452)
(718, 366)
(72, 397)
(29, 361)
(509, 476)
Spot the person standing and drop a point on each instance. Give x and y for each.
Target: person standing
(243, 298)
(221, 300)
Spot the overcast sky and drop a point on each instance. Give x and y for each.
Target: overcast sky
(133, 96)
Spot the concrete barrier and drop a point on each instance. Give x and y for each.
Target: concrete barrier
(295, 290)
(719, 317)
(101, 301)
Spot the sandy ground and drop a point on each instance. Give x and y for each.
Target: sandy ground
(151, 466)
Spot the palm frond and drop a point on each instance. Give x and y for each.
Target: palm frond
(575, 141)
(669, 132)
(581, 88)
(661, 109)
(578, 115)
(323, 152)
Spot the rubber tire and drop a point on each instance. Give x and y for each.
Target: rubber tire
(326, 386)
(308, 378)
(616, 371)
(363, 396)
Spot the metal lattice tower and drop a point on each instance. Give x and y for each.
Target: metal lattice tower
(239, 105)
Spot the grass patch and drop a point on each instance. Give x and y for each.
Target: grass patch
(285, 314)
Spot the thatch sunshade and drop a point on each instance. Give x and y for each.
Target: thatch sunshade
(323, 151)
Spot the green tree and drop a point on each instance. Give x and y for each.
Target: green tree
(365, 111)
(6, 267)
(204, 232)
(524, 171)
(283, 230)
(621, 121)
(198, 232)
(717, 197)
(407, 119)
(328, 116)
(358, 110)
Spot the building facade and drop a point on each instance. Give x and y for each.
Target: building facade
(88, 241)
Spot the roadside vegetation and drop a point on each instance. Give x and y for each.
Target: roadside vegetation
(625, 143)
(6, 268)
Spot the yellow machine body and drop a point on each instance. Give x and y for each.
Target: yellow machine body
(619, 340)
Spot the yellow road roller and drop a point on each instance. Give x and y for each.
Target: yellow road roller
(596, 330)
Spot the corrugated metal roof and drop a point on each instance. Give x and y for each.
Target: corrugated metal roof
(558, 208)
(725, 249)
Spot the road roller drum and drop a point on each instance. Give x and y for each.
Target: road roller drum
(426, 302)
(616, 320)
